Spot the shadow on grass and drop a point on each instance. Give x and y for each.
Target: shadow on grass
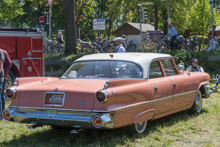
(113, 137)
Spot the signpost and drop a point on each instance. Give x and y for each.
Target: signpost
(169, 20)
(50, 2)
(50, 15)
(99, 24)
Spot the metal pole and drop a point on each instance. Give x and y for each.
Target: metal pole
(212, 28)
(79, 34)
(168, 12)
(50, 15)
(141, 28)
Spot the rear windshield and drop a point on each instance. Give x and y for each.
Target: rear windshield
(103, 69)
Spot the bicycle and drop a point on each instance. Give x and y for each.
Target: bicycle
(150, 47)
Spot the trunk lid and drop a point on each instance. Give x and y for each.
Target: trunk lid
(77, 94)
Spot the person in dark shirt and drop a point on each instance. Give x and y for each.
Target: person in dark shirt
(6, 66)
(2, 59)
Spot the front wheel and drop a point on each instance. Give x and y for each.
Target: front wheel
(197, 105)
(137, 128)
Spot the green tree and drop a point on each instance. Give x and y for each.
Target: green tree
(200, 17)
(9, 9)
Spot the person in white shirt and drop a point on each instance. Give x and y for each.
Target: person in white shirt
(194, 67)
(173, 34)
(119, 47)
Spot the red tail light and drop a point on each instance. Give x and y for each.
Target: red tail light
(102, 96)
(6, 115)
(97, 122)
(11, 92)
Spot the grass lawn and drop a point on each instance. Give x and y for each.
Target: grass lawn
(177, 130)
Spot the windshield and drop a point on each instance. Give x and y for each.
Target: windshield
(103, 69)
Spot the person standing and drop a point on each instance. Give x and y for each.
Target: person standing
(173, 34)
(119, 47)
(212, 40)
(7, 65)
(2, 59)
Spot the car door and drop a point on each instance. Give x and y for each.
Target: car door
(181, 85)
(161, 88)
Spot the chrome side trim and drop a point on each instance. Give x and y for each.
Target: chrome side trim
(103, 111)
(145, 103)
(184, 93)
(54, 93)
(147, 112)
(58, 109)
(133, 106)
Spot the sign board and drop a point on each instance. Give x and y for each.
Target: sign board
(147, 3)
(154, 35)
(169, 20)
(98, 24)
(98, 27)
(50, 2)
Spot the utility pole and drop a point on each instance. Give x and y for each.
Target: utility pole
(141, 9)
(50, 15)
(212, 25)
(168, 15)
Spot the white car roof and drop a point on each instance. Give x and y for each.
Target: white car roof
(143, 59)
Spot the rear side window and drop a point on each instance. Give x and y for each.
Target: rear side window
(155, 70)
(169, 67)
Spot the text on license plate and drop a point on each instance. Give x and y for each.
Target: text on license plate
(56, 98)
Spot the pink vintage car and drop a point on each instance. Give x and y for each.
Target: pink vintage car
(107, 91)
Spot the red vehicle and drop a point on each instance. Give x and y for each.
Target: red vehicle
(25, 48)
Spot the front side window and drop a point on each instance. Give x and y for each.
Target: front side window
(103, 69)
(155, 70)
(168, 67)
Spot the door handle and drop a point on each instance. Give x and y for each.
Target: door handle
(155, 87)
(174, 84)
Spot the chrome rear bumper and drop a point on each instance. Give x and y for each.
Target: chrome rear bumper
(75, 119)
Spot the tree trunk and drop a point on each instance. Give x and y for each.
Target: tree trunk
(156, 17)
(70, 27)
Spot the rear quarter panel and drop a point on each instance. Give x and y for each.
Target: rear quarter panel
(127, 97)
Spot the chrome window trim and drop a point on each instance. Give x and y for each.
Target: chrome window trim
(109, 60)
(54, 93)
(153, 61)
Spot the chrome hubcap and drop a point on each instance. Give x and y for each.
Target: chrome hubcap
(140, 125)
(198, 102)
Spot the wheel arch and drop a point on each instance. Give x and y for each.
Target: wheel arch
(15, 70)
(144, 116)
(203, 89)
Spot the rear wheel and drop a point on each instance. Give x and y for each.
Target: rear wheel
(197, 105)
(137, 128)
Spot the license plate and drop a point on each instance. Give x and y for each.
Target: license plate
(56, 99)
